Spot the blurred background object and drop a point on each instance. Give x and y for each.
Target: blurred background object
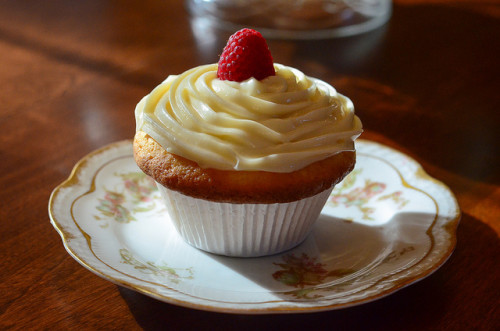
(294, 19)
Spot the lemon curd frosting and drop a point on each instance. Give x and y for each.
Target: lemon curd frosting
(280, 124)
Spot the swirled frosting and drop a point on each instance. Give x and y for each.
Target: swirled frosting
(279, 124)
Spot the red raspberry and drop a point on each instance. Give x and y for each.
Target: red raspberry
(245, 55)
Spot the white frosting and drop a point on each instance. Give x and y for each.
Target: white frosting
(280, 124)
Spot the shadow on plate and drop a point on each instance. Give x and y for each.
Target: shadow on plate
(427, 304)
(340, 257)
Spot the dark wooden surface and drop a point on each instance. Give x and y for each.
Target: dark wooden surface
(71, 73)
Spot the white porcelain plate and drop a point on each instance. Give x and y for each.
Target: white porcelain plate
(387, 225)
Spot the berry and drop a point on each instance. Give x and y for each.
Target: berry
(245, 55)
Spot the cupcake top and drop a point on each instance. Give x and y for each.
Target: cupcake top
(280, 123)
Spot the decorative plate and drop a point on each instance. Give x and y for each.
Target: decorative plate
(387, 225)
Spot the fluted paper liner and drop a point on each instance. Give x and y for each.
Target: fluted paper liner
(242, 230)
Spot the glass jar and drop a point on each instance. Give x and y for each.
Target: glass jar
(294, 19)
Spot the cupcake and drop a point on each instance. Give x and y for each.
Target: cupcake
(245, 152)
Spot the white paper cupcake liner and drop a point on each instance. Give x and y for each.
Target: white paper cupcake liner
(242, 230)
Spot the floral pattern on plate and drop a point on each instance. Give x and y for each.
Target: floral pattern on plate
(365, 196)
(152, 268)
(387, 225)
(135, 195)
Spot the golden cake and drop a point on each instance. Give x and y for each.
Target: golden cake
(186, 176)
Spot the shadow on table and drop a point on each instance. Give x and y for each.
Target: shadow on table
(428, 304)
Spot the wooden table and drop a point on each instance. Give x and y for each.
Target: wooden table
(71, 73)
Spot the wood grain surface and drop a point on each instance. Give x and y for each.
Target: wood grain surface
(71, 72)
